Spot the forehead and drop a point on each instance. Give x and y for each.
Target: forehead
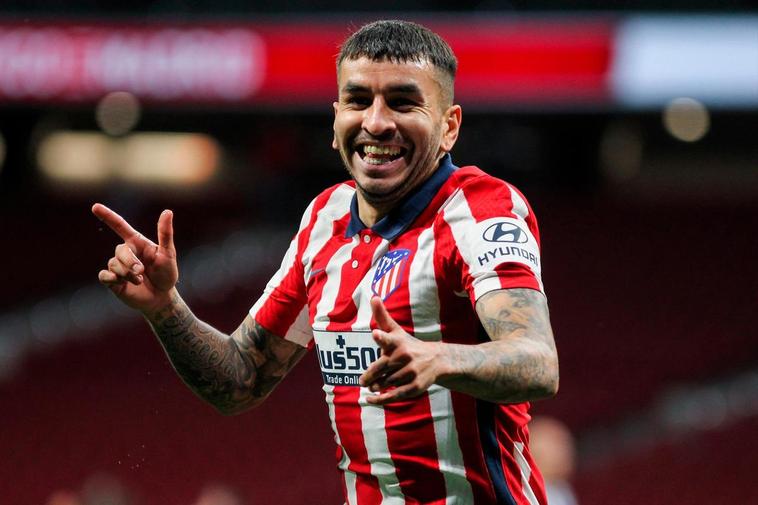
(380, 76)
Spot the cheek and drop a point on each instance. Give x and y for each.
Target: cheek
(345, 122)
(426, 136)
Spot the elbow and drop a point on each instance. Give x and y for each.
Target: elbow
(550, 378)
(551, 388)
(545, 379)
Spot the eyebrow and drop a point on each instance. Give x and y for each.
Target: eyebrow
(408, 89)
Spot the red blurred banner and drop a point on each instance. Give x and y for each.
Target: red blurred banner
(503, 62)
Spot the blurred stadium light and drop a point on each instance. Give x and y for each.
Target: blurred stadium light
(686, 119)
(154, 158)
(117, 112)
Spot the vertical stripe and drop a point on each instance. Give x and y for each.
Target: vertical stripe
(467, 425)
(372, 416)
(348, 424)
(347, 418)
(492, 455)
(363, 292)
(331, 287)
(323, 227)
(425, 313)
(409, 423)
(450, 455)
(423, 297)
(344, 462)
(520, 208)
(526, 472)
(459, 323)
(377, 449)
(411, 441)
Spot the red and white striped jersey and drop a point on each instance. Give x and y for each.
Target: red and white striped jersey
(461, 234)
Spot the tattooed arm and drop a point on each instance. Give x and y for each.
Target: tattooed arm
(232, 373)
(520, 362)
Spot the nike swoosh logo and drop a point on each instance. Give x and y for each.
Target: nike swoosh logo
(314, 272)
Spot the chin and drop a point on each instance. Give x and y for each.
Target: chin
(381, 193)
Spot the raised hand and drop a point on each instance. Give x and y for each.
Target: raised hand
(407, 366)
(141, 273)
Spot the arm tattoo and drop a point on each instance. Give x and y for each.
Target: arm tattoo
(231, 372)
(520, 363)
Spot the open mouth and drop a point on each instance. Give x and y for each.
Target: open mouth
(379, 155)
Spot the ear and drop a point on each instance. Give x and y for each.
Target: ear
(452, 125)
(336, 146)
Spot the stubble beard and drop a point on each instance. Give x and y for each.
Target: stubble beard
(393, 195)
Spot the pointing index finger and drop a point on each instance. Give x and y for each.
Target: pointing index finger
(115, 222)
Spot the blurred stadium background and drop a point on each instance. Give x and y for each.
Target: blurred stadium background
(633, 131)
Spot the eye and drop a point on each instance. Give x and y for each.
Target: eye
(358, 101)
(402, 103)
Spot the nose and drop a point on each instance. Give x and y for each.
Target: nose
(378, 120)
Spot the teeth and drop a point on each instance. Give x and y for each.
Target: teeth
(376, 161)
(382, 150)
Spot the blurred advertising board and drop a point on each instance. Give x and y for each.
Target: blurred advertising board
(505, 63)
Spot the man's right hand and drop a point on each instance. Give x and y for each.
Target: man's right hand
(141, 273)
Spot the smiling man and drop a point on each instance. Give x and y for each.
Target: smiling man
(417, 283)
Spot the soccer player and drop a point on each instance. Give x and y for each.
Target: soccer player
(417, 284)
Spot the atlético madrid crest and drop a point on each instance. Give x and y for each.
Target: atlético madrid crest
(389, 272)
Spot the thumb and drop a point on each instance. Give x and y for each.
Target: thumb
(166, 232)
(383, 319)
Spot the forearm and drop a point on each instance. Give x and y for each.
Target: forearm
(510, 371)
(207, 360)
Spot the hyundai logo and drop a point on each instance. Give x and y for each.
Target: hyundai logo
(505, 232)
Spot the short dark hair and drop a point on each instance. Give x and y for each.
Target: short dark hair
(401, 42)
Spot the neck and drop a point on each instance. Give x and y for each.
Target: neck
(371, 213)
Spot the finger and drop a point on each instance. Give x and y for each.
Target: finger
(126, 256)
(166, 230)
(399, 378)
(393, 395)
(115, 222)
(383, 319)
(374, 371)
(107, 277)
(123, 271)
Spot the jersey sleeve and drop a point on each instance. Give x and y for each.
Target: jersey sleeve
(496, 236)
(282, 308)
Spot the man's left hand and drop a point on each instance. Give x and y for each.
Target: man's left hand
(407, 366)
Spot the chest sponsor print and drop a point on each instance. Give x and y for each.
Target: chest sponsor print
(344, 356)
(389, 273)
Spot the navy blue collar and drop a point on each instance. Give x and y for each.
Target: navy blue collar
(400, 218)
